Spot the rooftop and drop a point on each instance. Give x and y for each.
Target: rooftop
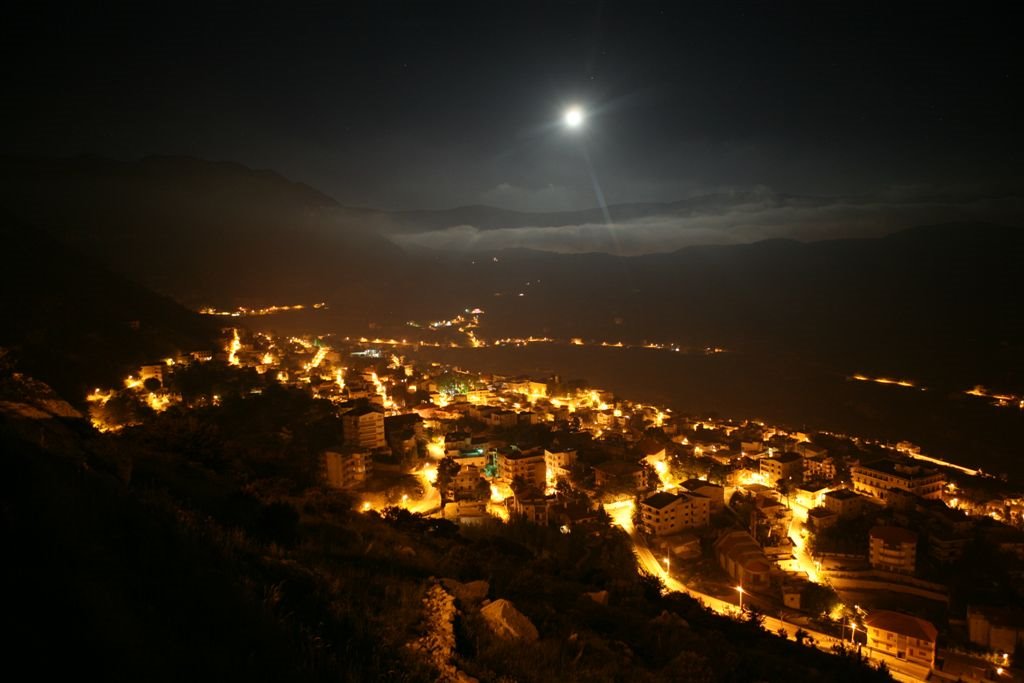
(893, 534)
(515, 454)
(904, 624)
(786, 458)
(661, 500)
(842, 494)
(362, 410)
(898, 469)
(694, 484)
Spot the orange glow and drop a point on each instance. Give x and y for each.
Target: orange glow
(100, 397)
(435, 449)
(318, 358)
(381, 391)
(430, 473)
(233, 346)
(884, 380)
(242, 311)
(158, 402)
(499, 492)
(621, 514)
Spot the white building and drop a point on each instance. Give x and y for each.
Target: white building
(363, 427)
(902, 636)
(893, 548)
(346, 470)
(878, 479)
(668, 513)
(559, 463)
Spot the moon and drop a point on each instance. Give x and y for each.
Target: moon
(573, 117)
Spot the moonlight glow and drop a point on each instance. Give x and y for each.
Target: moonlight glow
(573, 117)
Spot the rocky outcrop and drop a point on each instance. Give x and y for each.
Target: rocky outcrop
(437, 643)
(509, 623)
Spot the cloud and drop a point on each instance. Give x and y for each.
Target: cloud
(750, 217)
(548, 198)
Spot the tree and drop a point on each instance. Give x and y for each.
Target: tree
(818, 599)
(447, 470)
(482, 490)
(785, 487)
(755, 618)
(518, 486)
(123, 410)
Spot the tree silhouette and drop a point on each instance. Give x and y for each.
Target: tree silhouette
(785, 487)
(447, 470)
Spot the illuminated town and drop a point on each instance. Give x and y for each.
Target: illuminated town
(511, 342)
(740, 515)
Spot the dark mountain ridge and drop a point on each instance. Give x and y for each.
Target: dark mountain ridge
(200, 231)
(76, 325)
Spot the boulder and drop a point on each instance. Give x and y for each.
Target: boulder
(468, 593)
(509, 623)
(667, 618)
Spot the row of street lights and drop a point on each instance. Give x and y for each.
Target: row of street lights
(668, 572)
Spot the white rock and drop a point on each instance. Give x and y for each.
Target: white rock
(509, 623)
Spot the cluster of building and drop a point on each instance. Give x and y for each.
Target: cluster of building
(553, 452)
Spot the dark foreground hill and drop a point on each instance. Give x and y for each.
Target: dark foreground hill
(161, 555)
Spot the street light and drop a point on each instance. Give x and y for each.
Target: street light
(739, 589)
(668, 565)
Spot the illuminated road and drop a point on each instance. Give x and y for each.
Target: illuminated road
(803, 558)
(621, 514)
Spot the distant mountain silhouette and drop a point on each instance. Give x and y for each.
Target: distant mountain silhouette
(200, 230)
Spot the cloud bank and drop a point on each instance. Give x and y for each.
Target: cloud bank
(747, 219)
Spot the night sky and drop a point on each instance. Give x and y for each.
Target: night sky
(431, 105)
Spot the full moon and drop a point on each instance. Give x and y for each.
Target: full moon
(573, 117)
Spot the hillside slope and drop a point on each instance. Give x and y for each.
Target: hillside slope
(76, 325)
(203, 232)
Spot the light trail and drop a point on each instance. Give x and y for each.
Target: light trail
(886, 380)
